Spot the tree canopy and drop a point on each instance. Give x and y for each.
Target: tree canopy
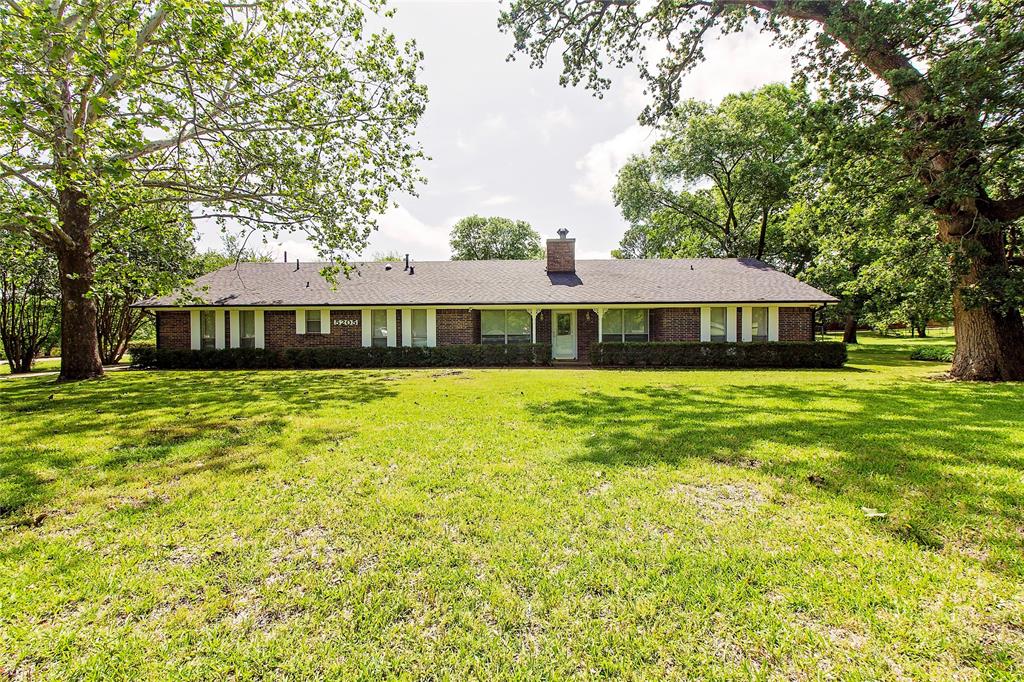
(717, 182)
(479, 238)
(275, 114)
(945, 76)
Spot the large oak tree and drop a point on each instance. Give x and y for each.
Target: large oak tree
(948, 75)
(280, 114)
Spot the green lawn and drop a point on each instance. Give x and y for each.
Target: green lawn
(40, 365)
(858, 524)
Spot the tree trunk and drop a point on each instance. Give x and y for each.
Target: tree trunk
(850, 330)
(922, 330)
(79, 349)
(989, 340)
(763, 234)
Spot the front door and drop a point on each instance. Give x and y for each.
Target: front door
(563, 333)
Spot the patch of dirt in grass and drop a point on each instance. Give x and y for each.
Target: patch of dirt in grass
(599, 489)
(719, 499)
(837, 634)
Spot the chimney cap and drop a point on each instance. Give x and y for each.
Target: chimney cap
(563, 233)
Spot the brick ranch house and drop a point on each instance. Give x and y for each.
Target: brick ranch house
(567, 303)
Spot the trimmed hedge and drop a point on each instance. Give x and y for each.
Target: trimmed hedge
(691, 354)
(932, 354)
(516, 355)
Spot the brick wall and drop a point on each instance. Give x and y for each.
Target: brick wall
(795, 324)
(586, 333)
(457, 326)
(561, 255)
(174, 329)
(675, 324)
(544, 326)
(279, 331)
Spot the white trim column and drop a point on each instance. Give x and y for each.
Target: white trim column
(197, 339)
(261, 333)
(431, 327)
(235, 329)
(300, 320)
(407, 327)
(773, 323)
(705, 323)
(730, 323)
(392, 327)
(218, 329)
(325, 320)
(365, 328)
(747, 333)
(533, 324)
(600, 324)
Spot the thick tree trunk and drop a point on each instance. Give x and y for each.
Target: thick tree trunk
(850, 330)
(989, 340)
(79, 349)
(922, 330)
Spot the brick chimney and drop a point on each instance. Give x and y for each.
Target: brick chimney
(562, 253)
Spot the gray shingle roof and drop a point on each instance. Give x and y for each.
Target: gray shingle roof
(706, 280)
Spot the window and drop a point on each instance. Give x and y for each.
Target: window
(378, 328)
(247, 329)
(718, 316)
(759, 324)
(207, 329)
(506, 326)
(419, 328)
(313, 322)
(624, 325)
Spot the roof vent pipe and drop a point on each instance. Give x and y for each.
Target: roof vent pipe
(406, 261)
(285, 256)
(412, 269)
(296, 265)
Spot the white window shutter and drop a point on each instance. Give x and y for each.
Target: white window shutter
(300, 321)
(432, 327)
(407, 327)
(218, 329)
(325, 320)
(730, 324)
(747, 333)
(773, 323)
(261, 337)
(705, 324)
(392, 327)
(196, 339)
(365, 327)
(234, 327)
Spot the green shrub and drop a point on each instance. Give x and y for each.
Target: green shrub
(691, 354)
(517, 355)
(933, 354)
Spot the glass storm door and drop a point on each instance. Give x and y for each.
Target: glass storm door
(563, 332)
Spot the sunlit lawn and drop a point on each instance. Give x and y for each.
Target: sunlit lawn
(40, 365)
(858, 524)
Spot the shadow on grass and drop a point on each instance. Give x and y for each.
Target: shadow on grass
(889, 448)
(178, 422)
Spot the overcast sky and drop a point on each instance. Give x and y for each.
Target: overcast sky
(507, 140)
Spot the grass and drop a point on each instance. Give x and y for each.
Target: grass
(856, 524)
(40, 365)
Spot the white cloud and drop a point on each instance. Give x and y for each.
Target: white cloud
(498, 200)
(554, 120)
(401, 231)
(495, 123)
(600, 165)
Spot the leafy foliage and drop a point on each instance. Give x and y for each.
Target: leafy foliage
(932, 354)
(938, 81)
(717, 183)
(460, 355)
(277, 115)
(29, 301)
(821, 354)
(494, 238)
